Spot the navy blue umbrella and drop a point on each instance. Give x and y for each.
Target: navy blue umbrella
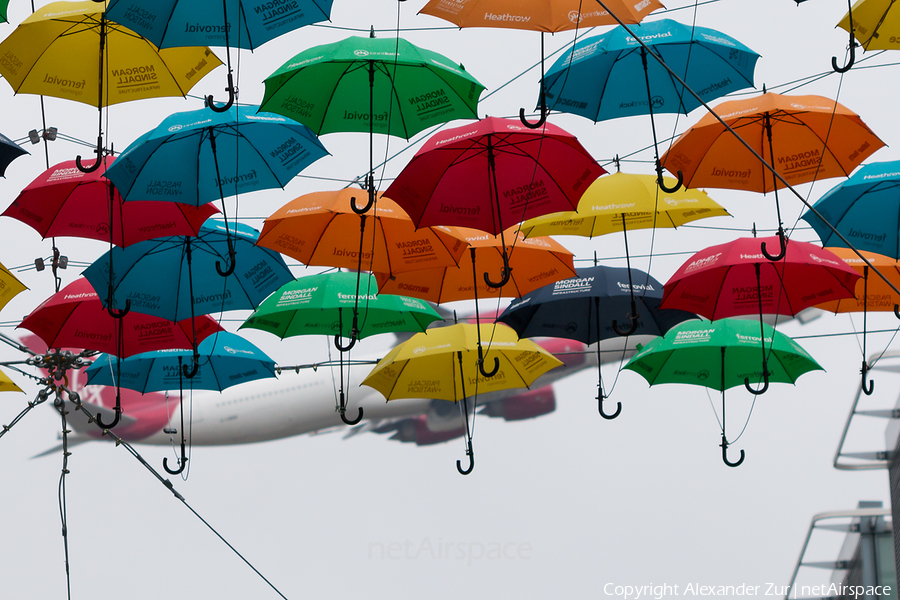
(9, 151)
(589, 307)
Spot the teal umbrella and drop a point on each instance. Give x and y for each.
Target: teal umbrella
(329, 304)
(720, 355)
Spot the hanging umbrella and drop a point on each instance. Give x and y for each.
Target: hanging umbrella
(10, 286)
(320, 229)
(74, 317)
(8, 385)
(198, 156)
(734, 279)
(587, 307)
(805, 138)
(322, 305)
(71, 50)
(64, 201)
(874, 23)
(492, 174)
(871, 294)
(623, 202)
(608, 76)
(229, 23)
(549, 16)
(372, 85)
(9, 151)
(718, 355)
(865, 209)
(441, 364)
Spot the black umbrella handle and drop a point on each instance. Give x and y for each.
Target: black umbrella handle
(98, 151)
(661, 182)
(471, 456)
(230, 89)
(867, 387)
(765, 386)
(724, 446)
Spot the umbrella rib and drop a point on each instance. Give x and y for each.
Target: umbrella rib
(383, 67)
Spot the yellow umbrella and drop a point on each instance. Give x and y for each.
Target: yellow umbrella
(69, 50)
(443, 364)
(7, 384)
(875, 23)
(9, 287)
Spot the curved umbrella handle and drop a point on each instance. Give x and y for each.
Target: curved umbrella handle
(230, 89)
(471, 456)
(118, 314)
(540, 122)
(337, 343)
(98, 151)
(897, 310)
(724, 445)
(230, 269)
(353, 421)
(869, 387)
(625, 332)
(504, 274)
(661, 182)
(763, 389)
(603, 414)
(364, 209)
(115, 421)
(850, 62)
(182, 462)
(782, 241)
(491, 373)
(191, 372)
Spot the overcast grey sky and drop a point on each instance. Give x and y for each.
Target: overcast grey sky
(558, 506)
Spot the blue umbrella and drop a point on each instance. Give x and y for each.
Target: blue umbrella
(229, 23)
(865, 209)
(9, 151)
(226, 359)
(175, 275)
(588, 308)
(608, 76)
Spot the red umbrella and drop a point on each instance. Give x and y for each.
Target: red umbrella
(74, 317)
(64, 201)
(492, 174)
(735, 278)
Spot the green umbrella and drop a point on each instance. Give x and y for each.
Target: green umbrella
(323, 304)
(373, 85)
(720, 355)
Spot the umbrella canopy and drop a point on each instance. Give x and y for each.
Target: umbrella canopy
(623, 202)
(812, 138)
(173, 23)
(865, 209)
(65, 201)
(533, 262)
(10, 286)
(323, 304)
(74, 317)
(871, 292)
(493, 173)
(198, 156)
(175, 277)
(875, 23)
(322, 229)
(9, 151)
(226, 359)
(70, 50)
(607, 76)
(328, 88)
(721, 355)
(734, 278)
(7, 384)
(537, 15)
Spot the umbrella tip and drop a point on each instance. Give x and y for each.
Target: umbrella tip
(371, 31)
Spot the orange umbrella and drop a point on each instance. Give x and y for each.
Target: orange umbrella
(546, 16)
(870, 295)
(534, 262)
(805, 138)
(321, 229)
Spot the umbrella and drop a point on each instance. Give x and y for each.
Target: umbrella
(10, 286)
(180, 159)
(441, 364)
(228, 360)
(316, 305)
(717, 355)
(71, 50)
(586, 308)
(369, 84)
(874, 23)
(319, 229)
(874, 295)
(608, 76)
(459, 176)
(170, 23)
(734, 279)
(623, 202)
(8, 385)
(64, 201)
(74, 317)
(9, 151)
(804, 138)
(537, 15)
(865, 209)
